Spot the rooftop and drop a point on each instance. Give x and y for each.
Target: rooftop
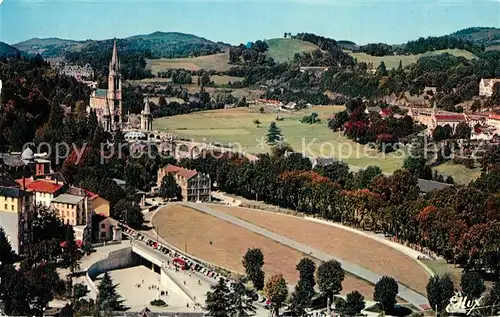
(450, 117)
(41, 185)
(184, 172)
(427, 186)
(67, 199)
(12, 160)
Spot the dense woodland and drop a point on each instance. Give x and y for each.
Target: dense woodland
(421, 45)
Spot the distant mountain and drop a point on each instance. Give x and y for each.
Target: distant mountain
(487, 36)
(157, 44)
(7, 50)
(49, 47)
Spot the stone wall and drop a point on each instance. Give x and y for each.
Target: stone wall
(116, 260)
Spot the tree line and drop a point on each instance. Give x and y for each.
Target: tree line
(454, 222)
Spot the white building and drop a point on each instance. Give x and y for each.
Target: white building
(486, 86)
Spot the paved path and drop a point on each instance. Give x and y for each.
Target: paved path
(192, 288)
(405, 293)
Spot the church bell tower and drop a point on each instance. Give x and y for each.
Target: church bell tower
(115, 90)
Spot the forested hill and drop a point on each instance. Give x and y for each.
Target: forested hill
(486, 36)
(6, 50)
(157, 44)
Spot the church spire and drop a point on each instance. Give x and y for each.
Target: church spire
(114, 57)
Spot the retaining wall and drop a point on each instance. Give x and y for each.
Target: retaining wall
(116, 260)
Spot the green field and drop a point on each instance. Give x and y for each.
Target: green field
(208, 62)
(460, 174)
(392, 61)
(235, 127)
(283, 50)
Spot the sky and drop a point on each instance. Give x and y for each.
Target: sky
(236, 21)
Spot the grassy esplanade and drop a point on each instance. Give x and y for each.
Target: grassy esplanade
(237, 126)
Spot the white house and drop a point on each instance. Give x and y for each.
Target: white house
(486, 86)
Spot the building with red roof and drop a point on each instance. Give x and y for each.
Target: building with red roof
(45, 190)
(194, 186)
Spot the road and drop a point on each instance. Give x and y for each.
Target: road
(405, 293)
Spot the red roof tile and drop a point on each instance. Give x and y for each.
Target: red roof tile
(186, 173)
(172, 168)
(91, 195)
(26, 182)
(40, 186)
(494, 116)
(450, 117)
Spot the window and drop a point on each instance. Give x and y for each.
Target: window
(103, 226)
(6, 207)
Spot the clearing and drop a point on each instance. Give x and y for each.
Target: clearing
(207, 62)
(392, 61)
(346, 245)
(236, 127)
(460, 173)
(225, 244)
(282, 50)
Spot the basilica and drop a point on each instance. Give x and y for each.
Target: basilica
(107, 103)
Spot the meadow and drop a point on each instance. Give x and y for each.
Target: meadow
(236, 127)
(208, 62)
(392, 61)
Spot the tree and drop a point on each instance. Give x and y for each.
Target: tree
(441, 133)
(495, 97)
(108, 298)
(128, 212)
(242, 102)
(355, 303)
(304, 290)
(493, 298)
(385, 292)
(462, 131)
(70, 255)
(276, 291)
(274, 134)
(169, 188)
(337, 122)
(439, 291)
(241, 301)
(382, 69)
(218, 300)
(256, 122)
(205, 79)
(80, 290)
(472, 284)
(7, 255)
(329, 277)
(47, 225)
(261, 109)
(306, 268)
(253, 262)
(83, 307)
